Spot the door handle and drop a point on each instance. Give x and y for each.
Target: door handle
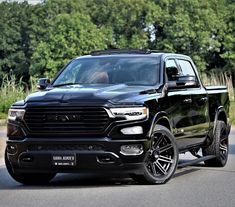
(187, 100)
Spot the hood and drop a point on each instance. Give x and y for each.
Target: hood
(115, 94)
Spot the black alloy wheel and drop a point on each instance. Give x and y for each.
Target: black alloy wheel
(161, 159)
(219, 146)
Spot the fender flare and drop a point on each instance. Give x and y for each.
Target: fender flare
(219, 110)
(158, 116)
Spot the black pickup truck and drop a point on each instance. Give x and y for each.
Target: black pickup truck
(118, 111)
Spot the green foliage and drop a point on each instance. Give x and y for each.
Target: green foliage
(192, 27)
(3, 116)
(69, 36)
(13, 90)
(128, 20)
(229, 40)
(14, 39)
(40, 39)
(232, 114)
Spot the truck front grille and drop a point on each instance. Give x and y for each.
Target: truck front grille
(69, 120)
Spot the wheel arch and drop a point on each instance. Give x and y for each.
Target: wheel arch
(160, 118)
(220, 116)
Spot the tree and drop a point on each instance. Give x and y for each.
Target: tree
(14, 39)
(229, 39)
(39, 39)
(68, 36)
(192, 27)
(127, 20)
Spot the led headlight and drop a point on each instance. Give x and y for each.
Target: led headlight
(16, 114)
(135, 113)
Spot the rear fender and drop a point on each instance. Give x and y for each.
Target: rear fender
(221, 116)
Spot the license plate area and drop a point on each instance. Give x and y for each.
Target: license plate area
(64, 160)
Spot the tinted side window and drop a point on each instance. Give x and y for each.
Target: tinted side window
(172, 70)
(186, 68)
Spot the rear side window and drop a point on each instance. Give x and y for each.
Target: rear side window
(186, 68)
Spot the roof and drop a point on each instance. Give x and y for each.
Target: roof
(132, 52)
(124, 51)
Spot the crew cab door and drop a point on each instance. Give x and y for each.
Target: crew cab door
(198, 106)
(186, 107)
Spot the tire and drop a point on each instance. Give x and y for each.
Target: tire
(218, 147)
(28, 178)
(161, 160)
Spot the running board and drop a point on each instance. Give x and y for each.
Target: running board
(192, 162)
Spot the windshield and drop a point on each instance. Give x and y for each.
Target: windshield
(111, 70)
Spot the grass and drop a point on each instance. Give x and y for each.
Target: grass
(11, 91)
(3, 115)
(232, 112)
(218, 78)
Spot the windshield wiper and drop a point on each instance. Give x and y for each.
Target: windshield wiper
(64, 84)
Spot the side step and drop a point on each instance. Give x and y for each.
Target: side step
(192, 162)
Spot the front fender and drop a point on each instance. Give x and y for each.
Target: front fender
(160, 117)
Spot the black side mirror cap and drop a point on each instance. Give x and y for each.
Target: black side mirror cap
(43, 83)
(183, 82)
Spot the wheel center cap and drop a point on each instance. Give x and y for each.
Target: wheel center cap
(156, 154)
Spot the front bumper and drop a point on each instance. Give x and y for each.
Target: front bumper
(92, 155)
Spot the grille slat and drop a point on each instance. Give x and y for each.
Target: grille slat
(72, 112)
(67, 124)
(81, 120)
(71, 128)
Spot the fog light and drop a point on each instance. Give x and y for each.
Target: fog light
(132, 130)
(132, 149)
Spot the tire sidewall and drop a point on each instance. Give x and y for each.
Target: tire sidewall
(221, 125)
(148, 176)
(214, 148)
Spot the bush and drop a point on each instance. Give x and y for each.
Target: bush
(11, 91)
(3, 116)
(232, 112)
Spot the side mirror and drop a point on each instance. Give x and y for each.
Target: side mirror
(43, 83)
(183, 82)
